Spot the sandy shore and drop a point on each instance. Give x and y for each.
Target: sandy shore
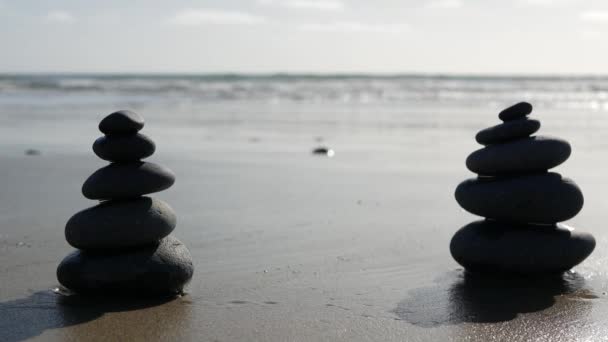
(292, 247)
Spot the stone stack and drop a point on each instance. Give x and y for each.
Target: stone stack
(521, 201)
(123, 243)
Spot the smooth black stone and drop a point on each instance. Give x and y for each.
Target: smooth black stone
(324, 151)
(525, 155)
(321, 150)
(497, 247)
(539, 198)
(32, 152)
(507, 131)
(121, 122)
(120, 224)
(124, 148)
(155, 270)
(127, 180)
(516, 111)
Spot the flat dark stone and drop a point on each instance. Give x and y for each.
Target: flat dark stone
(510, 130)
(324, 151)
(161, 269)
(118, 224)
(539, 198)
(321, 150)
(497, 247)
(124, 148)
(32, 152)
(525, 155)
(516, 111)
(121, 122)
(127, 180)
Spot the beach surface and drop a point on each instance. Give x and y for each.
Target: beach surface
(287, 245)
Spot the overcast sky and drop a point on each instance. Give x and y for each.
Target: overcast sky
(432, 36)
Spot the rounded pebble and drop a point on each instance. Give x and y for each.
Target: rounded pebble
(525, 155)
(540, 198)
(124, 148)
(507, 131)
(127, 180)
(161, 269)
(120, 224)
(492, 246)
(121, 122)
(325, 151)
(516, 111)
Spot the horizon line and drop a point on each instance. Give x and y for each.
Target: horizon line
(312, 74)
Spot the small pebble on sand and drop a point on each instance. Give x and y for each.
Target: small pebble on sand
(32, 152)
(326, 151)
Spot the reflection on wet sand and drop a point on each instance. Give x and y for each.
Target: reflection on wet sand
(507, 308)
(28, 317)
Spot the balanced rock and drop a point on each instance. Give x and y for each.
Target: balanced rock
(493, 246)
(516, 111)
(124, 246)
(518, 156)
(127, 180)
(506, 131)
(521, 201)
(124, 148)
(160, 269)
(119, 224)
(121, 122)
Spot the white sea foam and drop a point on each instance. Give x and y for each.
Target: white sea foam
(555, 92)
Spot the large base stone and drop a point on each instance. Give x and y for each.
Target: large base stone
(158, 270)
(496, 247)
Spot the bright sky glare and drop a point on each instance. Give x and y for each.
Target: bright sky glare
(299, 36)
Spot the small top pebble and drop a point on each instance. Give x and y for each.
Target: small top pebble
(516, 111)
(121, 122)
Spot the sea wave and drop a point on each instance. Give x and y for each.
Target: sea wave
(566, 92)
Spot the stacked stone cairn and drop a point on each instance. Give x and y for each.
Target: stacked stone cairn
(123, 243)
(521, 201)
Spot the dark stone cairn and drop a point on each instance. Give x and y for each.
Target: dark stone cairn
(123, 243)
(521, 201)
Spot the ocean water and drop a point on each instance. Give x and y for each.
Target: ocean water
(554, 92)
(62, 110)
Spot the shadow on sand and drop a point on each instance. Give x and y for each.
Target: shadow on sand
(461, 297)
(28, 317)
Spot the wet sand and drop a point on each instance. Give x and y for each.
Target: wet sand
(289, 246)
